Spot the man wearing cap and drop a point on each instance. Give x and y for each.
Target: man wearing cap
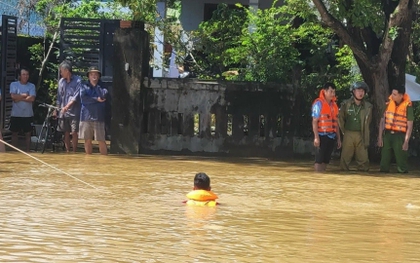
(68, 99)
(395, 130)
(92, 115)
(354, 120)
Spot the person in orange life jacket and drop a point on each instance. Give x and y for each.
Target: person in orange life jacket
(201, 194)
(395, 130)
(325, 126)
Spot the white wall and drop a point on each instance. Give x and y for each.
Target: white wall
(192, 11)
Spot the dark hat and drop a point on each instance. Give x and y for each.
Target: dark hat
(359, 85)
(93, 69)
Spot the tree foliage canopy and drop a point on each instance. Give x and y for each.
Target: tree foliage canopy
(270, 45)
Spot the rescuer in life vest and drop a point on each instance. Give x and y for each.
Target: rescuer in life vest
(395, 130)
(201, 194)
(325, 126)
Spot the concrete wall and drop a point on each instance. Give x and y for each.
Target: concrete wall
(239, 119)
(189, 116)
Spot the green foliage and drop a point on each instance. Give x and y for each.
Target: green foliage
(266, 51)
(347, 70)
(393, 33)
(52, 87)
(270, 45)
(217, 38)
(256, 44)
(53, 10)
(360, 14)
(299, 8)
(37, 51)
(144, 10)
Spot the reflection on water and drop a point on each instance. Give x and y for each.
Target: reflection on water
(270, 211)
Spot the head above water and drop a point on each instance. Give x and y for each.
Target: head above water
(329, 91)
(202, 182)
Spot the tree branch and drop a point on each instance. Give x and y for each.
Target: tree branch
(341, 31)
(44, 62)
(400, 13)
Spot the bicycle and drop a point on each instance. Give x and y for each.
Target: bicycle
(49, 134)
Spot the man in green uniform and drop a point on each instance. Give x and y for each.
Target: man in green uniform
(395, 130)
(354, 120)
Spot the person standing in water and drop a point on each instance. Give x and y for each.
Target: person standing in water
(395, 130)
(325, 126)
(68, 99)
(23, 95)
(92, 116)
(354, 120)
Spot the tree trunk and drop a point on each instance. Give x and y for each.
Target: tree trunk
(378, 96)
(398, 62)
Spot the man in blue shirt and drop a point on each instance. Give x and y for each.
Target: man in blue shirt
(68, 99)
(92, 115)
(325, 126)
(23, 95)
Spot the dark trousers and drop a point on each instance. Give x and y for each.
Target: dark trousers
(393, 142)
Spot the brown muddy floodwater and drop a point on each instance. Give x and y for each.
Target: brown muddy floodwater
(271, 211)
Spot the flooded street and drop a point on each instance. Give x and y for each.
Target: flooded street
(271, 211)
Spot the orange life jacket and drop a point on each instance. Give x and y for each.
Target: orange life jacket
(328, 118)
(201, 198)
(396, 116)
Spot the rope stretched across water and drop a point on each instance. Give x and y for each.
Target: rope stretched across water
(49, 165)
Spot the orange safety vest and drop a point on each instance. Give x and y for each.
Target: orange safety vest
(201, 198)
(396, 116)
(327, 121)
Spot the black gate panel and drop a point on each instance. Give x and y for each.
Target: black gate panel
(8, 67)
(88, 42)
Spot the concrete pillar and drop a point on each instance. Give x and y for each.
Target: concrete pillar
(188, 125)
(253, 124)
(159, 41)
(131, 54)
(237, 127)
(221, 120)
